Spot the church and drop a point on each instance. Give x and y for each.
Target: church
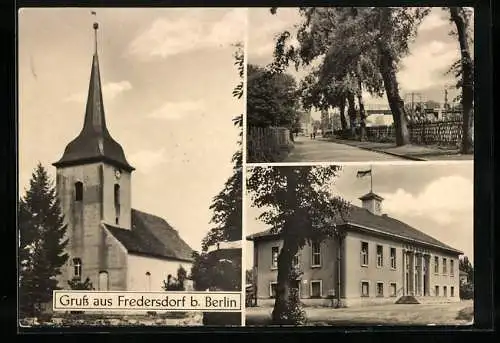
(117, 247)
(376, 259)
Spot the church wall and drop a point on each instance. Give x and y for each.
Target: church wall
(114, 263)
(82, 218)
(159, 269)
(124, 181)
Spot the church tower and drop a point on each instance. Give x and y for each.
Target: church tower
(94, 186)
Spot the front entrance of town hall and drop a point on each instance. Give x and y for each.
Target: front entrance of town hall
(416, 273)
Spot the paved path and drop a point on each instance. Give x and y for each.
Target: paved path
(317, 150)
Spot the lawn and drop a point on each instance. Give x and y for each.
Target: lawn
(394, 314)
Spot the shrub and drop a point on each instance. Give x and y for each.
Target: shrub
(466, 292)
(77, 284)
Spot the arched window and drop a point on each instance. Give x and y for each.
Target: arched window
(103, 281)
(77, 268)
(117, 194)
(117, 203)
(148, 281)
(78, 191)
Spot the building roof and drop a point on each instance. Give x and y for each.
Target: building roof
(361, 218)
(94, 143)
(152, 236)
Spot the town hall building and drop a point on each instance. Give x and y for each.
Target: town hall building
(377, 259)
(117, 247)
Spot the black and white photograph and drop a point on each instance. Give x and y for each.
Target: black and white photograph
(130, 158)
(340, 245)
(356, 84)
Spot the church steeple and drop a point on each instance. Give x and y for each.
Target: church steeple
(94, 143)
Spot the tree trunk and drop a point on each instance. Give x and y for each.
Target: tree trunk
(281, 311)
(343, 120)
(462, 24)
(387, 65)
(362, 113)
(351, 113)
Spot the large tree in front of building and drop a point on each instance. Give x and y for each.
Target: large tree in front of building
(41, 243)
(297, 204)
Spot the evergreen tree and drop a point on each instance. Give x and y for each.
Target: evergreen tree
(299, 207)
(227, 204)
(41, 242)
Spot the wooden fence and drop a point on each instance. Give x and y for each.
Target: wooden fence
(443, 133)
(267, 144)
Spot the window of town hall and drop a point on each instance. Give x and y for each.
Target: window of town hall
(364, 253)
(393, 258)
(380, 256)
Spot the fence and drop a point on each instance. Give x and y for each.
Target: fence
(444, 133)
(267, 144)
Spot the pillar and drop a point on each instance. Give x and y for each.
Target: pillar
(422, 261)
(412, 274)
(403, 264)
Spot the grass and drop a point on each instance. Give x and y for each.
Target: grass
(466, 314)
(393, 314)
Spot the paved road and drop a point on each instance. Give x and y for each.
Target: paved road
(317, 150)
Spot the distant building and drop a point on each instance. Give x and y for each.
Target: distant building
(380, 260)
(379, 119)
(306, 123)
(464, 278)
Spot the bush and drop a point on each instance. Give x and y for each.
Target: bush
(466, 314)
(466, 292)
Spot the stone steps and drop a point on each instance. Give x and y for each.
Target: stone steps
(410, 299)
(407, 299)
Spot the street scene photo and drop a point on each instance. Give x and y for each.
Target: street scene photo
(343, 84)
(130, 165)
(348, 245)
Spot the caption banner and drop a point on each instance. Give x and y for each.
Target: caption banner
(146, 301)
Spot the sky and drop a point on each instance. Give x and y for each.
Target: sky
(422, 71)
(435, 198)
(168, 76)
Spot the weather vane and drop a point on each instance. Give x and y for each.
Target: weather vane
(96, 27)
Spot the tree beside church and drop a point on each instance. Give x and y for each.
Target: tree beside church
(42, 243)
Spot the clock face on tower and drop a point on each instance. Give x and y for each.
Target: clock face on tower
(117, 173)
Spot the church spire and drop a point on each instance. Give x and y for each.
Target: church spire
(94, 143)
(94, 115)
